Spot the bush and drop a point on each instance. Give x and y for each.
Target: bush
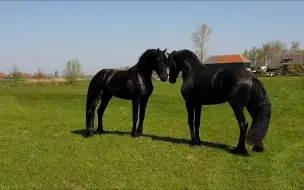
(292, 70)
(72, 71)
(261, 73)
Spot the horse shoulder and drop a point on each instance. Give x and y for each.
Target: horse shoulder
(187, 88)
(138, 85)
(146, 86)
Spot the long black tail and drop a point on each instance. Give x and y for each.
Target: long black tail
(259, 107)
(95, 91)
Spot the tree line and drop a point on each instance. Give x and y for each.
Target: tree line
(259, 56)
(71, 73)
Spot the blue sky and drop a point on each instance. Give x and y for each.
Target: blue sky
(104, 34)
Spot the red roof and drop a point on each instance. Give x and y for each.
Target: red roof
(237, 58)
(2, 75)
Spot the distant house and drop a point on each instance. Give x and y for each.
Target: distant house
(228, 61)
(285, 59)
(3, 76)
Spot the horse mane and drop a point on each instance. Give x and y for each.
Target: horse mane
(192, 55)
(145, 55)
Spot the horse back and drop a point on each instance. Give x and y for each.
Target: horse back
(216, 86)
(127, 84)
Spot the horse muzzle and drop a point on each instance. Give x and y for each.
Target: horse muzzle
(172, 81)
(164, 77)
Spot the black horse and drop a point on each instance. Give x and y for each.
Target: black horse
(133, 84)
(206, 86)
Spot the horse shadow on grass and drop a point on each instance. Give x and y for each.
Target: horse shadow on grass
(220, 146)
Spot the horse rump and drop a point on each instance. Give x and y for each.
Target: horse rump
(94, 93)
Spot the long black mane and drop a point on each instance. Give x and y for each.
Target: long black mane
(190, 56)
(144, 62)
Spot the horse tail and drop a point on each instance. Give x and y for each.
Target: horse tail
(259, 107)
(95, 90)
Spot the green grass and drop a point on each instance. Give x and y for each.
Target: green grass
(39, 149)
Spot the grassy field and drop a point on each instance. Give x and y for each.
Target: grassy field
(41, 145)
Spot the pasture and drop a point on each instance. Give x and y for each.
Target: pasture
(42, 144)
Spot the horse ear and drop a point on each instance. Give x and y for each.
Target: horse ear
(165, 50)
(157, 50)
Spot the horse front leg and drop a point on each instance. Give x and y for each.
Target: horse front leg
(135, 105)
(143, 105)
(197, 123)
(190, 110)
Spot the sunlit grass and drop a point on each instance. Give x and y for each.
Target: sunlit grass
(41, 146)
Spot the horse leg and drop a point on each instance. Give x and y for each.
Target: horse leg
(190, 110)
(243, 125)
(143, 105)
(258, 147)
(90, 114)
(198, 111)
(103, 105)
(135, 105)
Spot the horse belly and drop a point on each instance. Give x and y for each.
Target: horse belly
(123, 96)
(212, 99)
(121, 91)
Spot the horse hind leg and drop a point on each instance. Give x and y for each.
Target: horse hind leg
(90, 113)
(257, 147)
(102, 107)
(243, 126)
(238, 102)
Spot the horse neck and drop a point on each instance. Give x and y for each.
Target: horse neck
(191, 66)
(143, 70)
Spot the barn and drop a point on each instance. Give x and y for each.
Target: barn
(228, 61)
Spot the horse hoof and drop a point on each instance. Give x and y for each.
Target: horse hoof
(199, 143)
(196, 142)
(193, 143)
(89, 134)
(134, 134)
(100, 131)
(139, 133)
(239, 151)
(257, 148)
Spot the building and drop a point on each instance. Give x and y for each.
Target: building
(228, 61)
(3, 76)
(56, 74)
(279, 60)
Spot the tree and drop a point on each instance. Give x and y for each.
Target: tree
(271, 48)
(15, 75)
(200, 38)
(262, 55)
(246, 54)
(39, 75)
(72, 71)
(295, 47)
(252, 55)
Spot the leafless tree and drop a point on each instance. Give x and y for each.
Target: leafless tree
(200, 38)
